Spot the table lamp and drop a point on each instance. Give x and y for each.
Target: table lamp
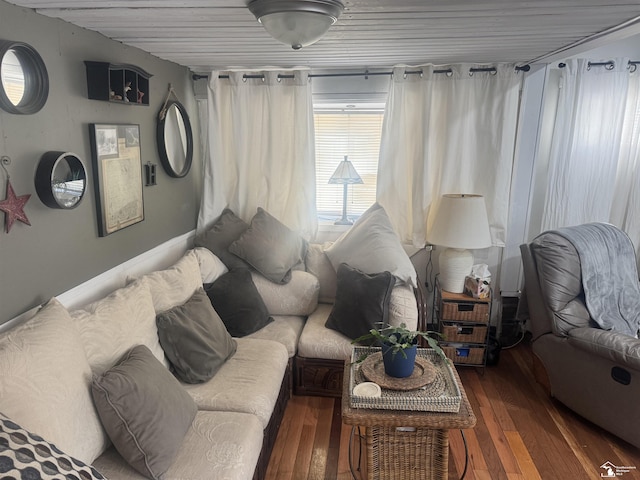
(345, 175)
(460, 223)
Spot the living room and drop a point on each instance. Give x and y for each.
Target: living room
(57, 250)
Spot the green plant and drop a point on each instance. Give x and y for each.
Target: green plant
(400, 338)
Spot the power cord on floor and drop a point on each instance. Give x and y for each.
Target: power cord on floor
(353, 430)
(466, 455)
(523, 333)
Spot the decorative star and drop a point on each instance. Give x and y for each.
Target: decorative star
(13, 207)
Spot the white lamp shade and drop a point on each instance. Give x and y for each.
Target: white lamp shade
(461, 222)
(345, 173)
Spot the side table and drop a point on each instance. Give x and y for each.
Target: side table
(405, 445)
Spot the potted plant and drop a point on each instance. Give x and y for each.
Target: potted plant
(399, 340)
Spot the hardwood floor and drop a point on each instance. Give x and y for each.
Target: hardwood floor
(521, 434)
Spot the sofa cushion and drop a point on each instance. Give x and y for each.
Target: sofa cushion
(218, 445)
(298, 297)
(270, 247)
(45, 378)
(194, 339)
(144, 410)
(222, 233)
(372, 246)
(249, 382)
(318, 264)
(362, 301)
(28, 456)
(211, 267)
(113, 325)
(175, 285)
(318, 341)
(236, 299)
(284, 329)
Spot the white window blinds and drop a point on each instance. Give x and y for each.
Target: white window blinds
(355, 134)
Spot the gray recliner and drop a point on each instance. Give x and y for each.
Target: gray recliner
(593, 371)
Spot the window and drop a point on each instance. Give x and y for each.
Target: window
(353, 131)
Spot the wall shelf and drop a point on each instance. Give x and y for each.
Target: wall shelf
(118, 83)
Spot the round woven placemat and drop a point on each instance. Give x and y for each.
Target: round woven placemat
(423, 373)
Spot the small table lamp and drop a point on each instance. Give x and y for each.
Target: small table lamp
(461, 223)
(345, 174)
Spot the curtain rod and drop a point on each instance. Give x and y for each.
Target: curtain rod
(631, 65)
(366, 74)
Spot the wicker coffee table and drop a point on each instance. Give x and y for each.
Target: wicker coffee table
(400, 444)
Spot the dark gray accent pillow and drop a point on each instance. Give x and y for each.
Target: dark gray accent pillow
(236, 299)
(144, 410)
(194, 339)
(362, 301)
(224, 231)
(270, 247)
(25, 455)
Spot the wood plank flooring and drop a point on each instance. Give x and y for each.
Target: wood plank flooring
(521, 434)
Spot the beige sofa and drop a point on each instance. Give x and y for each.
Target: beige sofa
(47, 364)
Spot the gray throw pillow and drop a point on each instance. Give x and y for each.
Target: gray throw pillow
(217, 238)
(194, 339)
(270, 247)
(362, 301)
(144, 410)
(236, 299)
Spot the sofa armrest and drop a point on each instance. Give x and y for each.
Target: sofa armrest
(613, 346)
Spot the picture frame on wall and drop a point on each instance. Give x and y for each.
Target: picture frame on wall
(117, 172)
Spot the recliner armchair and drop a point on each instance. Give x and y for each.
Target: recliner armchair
(593, 371)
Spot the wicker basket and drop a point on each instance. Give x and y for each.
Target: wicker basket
(465, 354)
(466, 311)
(464, 333)
(397, 453)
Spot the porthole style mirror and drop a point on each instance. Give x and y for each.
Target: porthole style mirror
(61, 180)
(24, 82)
(175, 139)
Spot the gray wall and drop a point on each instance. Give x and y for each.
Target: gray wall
(61, 248)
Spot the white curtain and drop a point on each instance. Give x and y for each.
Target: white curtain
(594, 167)
(260, 148)
(447, 133)
(585, 155)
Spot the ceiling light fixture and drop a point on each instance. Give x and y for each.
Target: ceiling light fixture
(298, 23)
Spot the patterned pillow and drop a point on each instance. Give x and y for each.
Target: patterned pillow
(25, 455)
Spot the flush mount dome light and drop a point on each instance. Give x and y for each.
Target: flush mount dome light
(298, 23)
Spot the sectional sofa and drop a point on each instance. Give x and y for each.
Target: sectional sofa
(97, 383)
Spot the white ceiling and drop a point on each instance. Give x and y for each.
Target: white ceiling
(209, 34)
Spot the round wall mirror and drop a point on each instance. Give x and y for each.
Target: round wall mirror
(24, 80)
(175, 139)
(61, 180)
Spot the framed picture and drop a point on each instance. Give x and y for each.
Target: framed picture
(117, 172)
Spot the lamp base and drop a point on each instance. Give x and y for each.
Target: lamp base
(343, 221)
(455, 264)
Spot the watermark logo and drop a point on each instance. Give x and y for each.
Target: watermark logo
(613, 471)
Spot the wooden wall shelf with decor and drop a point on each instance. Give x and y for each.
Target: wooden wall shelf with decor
(464, 321)
(118, 83)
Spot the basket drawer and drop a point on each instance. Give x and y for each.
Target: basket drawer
(466, 311)
(464, 333)
(465, 354)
